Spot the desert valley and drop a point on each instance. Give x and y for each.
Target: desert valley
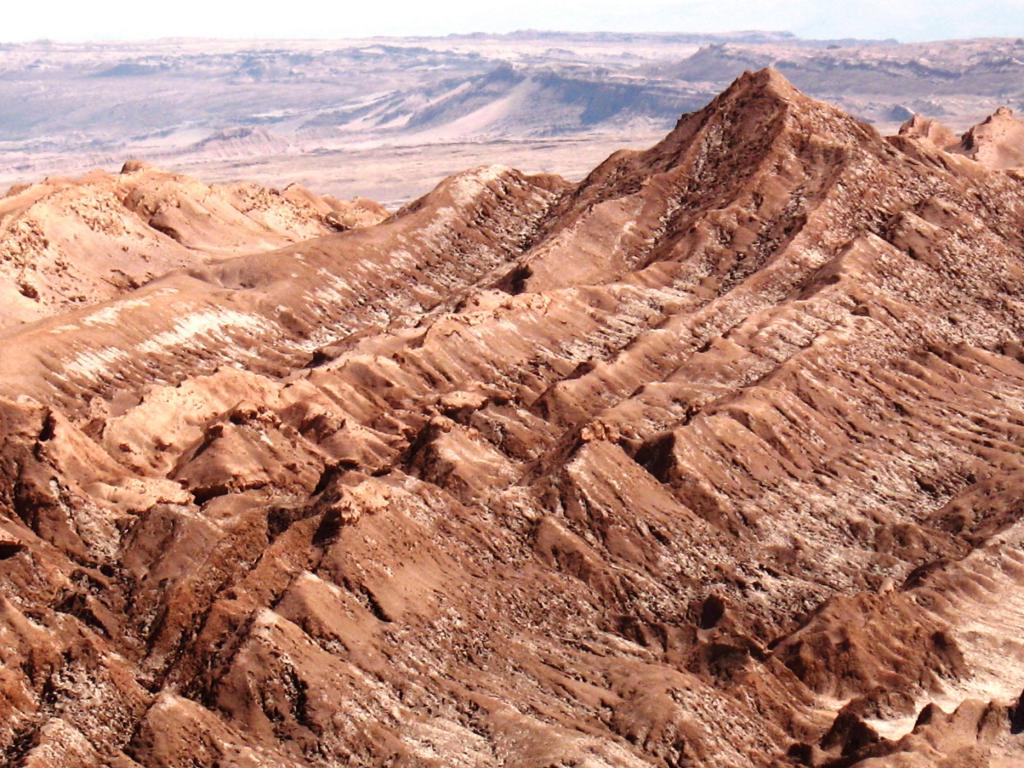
(388, 118)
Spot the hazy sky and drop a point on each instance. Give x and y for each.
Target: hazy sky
(120, 19)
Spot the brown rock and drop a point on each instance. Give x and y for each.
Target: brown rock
(712, 459)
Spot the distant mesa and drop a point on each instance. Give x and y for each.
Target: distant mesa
(241, 142)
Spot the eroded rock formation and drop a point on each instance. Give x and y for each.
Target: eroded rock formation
(68, 243)
(997, 142)
(713, 459)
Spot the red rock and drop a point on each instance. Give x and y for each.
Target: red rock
(713, 459)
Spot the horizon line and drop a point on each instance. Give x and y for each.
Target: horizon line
(785, 36)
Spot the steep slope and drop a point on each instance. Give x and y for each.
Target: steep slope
(71, 242)
(713, 459)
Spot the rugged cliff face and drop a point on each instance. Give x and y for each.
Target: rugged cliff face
(714, 459)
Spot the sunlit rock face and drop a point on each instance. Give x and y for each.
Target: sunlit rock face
(715, 458)
(68, 243)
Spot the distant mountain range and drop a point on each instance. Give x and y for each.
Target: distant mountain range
(200, 102)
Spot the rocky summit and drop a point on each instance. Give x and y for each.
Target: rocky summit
(715, 458)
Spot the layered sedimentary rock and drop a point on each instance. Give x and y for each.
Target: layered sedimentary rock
(713, 459)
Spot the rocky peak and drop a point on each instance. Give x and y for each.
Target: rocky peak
(997, 142)
(759, 116)
(68, 243)
(931, 130)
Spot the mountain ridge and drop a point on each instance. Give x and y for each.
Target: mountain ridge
(711, 459)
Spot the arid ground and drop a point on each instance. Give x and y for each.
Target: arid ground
(709, 455)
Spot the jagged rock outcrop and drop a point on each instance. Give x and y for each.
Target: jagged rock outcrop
(997, 142)
(713, 459)
(928, 129)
